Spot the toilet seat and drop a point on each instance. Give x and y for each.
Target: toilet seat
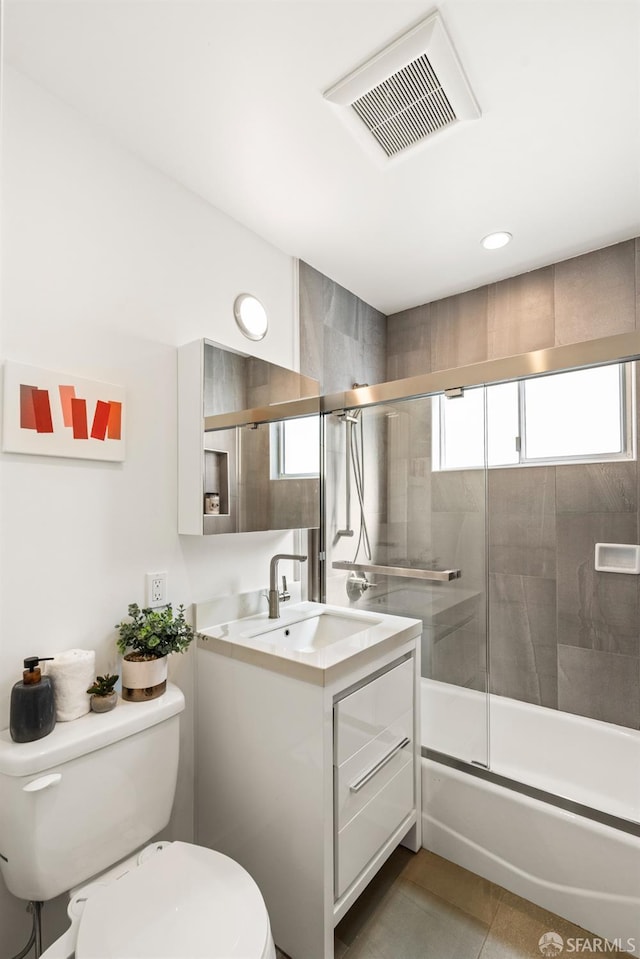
(178, 900)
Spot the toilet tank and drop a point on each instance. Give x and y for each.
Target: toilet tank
(87, 795)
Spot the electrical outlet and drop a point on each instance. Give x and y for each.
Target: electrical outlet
(156, 589)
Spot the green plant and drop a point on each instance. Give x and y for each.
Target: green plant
(103, 685)
(154, 632)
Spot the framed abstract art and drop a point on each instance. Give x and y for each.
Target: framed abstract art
(58, 414)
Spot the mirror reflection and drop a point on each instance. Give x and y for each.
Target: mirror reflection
(258, 475)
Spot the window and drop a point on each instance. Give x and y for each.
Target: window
(580, 416)
(295, 448)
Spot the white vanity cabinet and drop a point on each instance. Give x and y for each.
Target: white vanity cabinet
(308, 776)
(373, 761)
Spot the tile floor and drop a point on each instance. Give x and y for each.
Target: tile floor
(424, 907)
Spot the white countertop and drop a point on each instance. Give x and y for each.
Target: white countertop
(267, 649)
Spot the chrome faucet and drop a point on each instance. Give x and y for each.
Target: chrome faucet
(274, 595)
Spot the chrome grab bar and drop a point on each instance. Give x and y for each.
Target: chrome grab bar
(359, 783)
(437, 575)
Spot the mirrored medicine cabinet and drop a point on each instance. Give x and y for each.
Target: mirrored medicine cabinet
(248, 443)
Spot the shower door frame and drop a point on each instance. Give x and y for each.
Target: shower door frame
(622, 347)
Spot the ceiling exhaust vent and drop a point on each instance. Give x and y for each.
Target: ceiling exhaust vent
(410, 90)
(407, 107)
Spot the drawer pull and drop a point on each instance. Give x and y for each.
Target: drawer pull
(359, 783)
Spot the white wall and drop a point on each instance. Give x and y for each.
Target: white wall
(107, 266)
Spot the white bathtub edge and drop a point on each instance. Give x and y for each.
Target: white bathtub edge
(466, 819)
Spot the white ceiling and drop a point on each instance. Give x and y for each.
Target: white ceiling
(226, 97)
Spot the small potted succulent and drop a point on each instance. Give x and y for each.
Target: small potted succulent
(145, 641)
(103, 695)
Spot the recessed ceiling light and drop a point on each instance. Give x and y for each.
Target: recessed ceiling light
(495, 240)
(251, 316)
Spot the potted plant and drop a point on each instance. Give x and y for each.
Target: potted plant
(103, 695)
(145, 641)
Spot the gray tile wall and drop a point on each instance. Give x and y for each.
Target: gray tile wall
(549, 610)
(342, 342)
(342, 339)
(268, 503)
(579, 299)
(561, 634)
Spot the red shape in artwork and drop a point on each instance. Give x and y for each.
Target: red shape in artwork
(67, 393)
(100, 420)
(42, 410)
(114, 430)
(27, 411)
(79, 418)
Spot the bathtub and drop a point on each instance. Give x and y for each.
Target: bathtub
(556, 820)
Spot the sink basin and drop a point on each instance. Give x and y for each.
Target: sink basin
(313, 632)
(308, 640)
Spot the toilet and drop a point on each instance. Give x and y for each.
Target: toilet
(78, 809)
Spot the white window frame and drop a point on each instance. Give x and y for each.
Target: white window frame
(277, 452)
(628, 445)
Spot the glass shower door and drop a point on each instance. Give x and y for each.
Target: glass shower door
(455, 701)
(405, 509)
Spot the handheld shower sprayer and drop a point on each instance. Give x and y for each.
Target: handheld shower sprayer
(354, 463)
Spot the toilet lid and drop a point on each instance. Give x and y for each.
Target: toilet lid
(184, 901)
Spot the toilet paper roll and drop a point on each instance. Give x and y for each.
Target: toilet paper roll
(72, 672)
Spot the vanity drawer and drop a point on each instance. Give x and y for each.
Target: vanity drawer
(364, 714)
(372, 767)
(363, 836)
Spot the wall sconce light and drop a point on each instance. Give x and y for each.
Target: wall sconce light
(251, 316)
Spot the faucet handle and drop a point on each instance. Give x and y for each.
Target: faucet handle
(284, 595)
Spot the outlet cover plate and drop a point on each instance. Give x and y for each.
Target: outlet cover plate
(155, 590)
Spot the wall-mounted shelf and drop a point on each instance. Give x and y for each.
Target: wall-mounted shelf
(216, 480)
(435, 575)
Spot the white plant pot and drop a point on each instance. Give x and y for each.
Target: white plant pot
(145, 679)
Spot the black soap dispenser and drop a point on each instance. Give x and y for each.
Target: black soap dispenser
(32, 714)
